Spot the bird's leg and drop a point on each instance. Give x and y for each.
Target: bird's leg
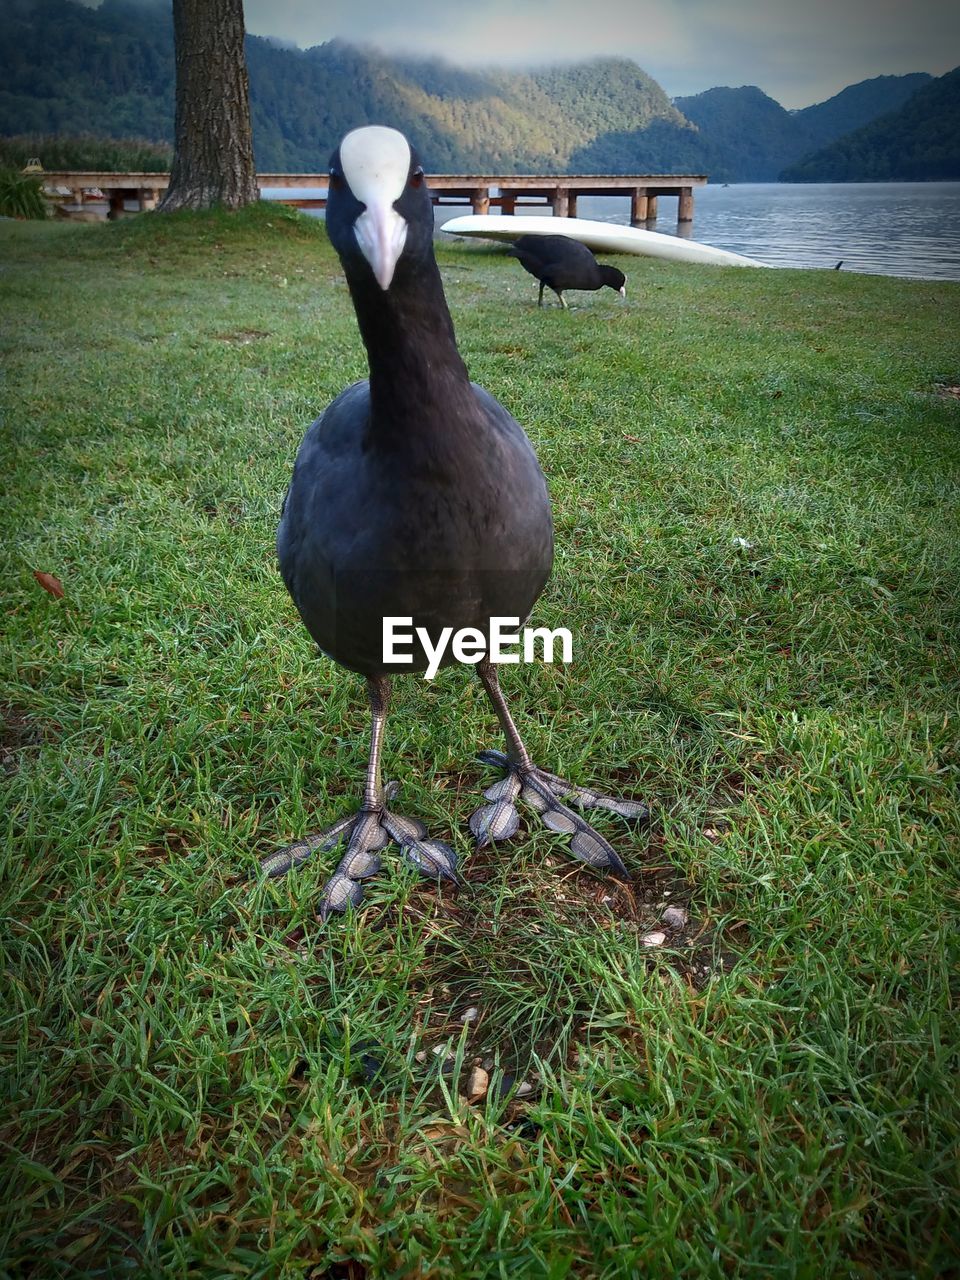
(369, 831)
(540, 299)
(378, 695)
(563, 301)
(542, 791)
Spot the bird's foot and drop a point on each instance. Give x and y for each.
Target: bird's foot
(367, 833)
(542, 791)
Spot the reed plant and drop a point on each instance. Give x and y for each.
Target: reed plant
(21, 195)
(86, 151)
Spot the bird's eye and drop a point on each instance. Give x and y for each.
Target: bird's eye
(336, 180)
(416, 178)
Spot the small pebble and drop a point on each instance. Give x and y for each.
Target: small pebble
(675, 917)
(469, 1015)
(655, 939)
(510, 1084)
(448, 1059)
(478, 1081)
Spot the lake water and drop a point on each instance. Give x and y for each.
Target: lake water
(889, 228)
(885, 228)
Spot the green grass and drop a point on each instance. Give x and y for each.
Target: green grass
(754, 476)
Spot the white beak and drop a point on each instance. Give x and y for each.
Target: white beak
(381, 234)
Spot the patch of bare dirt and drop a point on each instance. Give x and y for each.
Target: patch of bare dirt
(19, 732)
(242, 337)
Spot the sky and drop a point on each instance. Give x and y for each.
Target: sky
(797, 51)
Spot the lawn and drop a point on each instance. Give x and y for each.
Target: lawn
(741, 1062)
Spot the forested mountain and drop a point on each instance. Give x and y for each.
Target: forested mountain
(462, 120)
(751, 138)
(109, 71)
(918, 143)
(68, 69)
(856, 106)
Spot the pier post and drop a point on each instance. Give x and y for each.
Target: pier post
(508, 201)
(572, 205)
(638, 206)
(652, 209)
(481, 200)
(685, 205)
(561, 203)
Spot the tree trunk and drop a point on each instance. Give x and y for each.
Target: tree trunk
(213, 144)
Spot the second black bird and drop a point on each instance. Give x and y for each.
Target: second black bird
(561, 263)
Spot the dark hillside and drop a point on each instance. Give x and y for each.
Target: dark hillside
(857, 105)
(918, 143)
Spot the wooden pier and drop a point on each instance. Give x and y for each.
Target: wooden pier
(480, 192)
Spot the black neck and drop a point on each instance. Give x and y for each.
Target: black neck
(411, 347)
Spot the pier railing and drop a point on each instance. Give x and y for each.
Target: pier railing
(481, 192)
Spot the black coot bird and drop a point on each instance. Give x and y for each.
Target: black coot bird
(562, 263)
(414, 495)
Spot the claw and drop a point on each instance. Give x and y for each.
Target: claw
(360, 864)
(403, 830)
(506, 789)
(432, 858)
(558, 819)
(631, 810)
(339, 893)
(542, 791)
(587, 798)
(589, 846)
(498, 820)
(284, 860)
(367, 832)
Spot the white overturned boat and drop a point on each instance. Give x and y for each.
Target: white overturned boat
(601, 237)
